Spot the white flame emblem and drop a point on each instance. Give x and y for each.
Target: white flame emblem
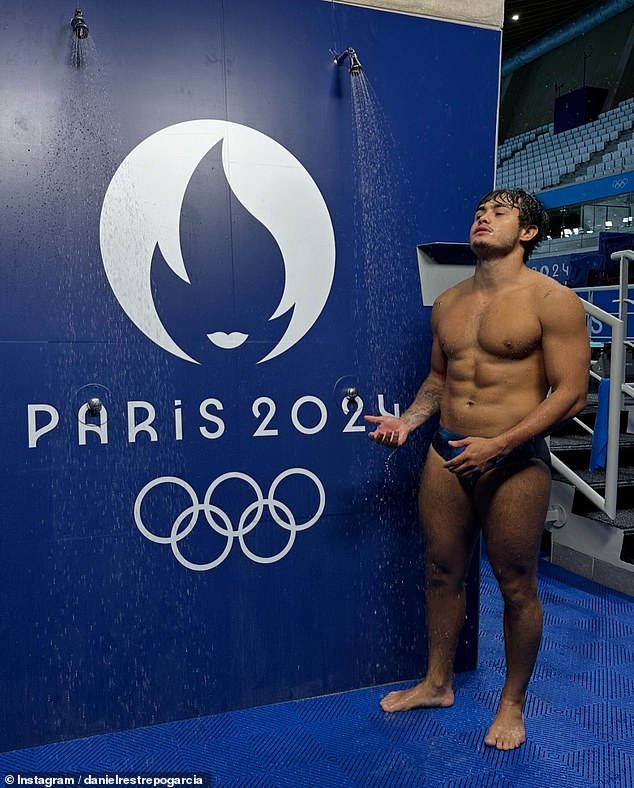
(142, 209)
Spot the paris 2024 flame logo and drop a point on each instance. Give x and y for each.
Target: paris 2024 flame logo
(142, 210)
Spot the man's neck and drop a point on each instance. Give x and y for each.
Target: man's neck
(498, 273)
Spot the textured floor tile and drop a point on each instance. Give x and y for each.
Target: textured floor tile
(579, 720)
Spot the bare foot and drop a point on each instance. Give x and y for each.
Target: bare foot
(423, 695)
(507, 730)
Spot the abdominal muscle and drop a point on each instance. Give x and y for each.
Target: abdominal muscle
(485, 395)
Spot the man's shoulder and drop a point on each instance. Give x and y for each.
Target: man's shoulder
(445, 301)
(454, 292)
(543, 286)
(553, 298)
(546, 286)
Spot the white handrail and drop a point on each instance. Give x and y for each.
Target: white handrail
(624, 257)
(606, 503)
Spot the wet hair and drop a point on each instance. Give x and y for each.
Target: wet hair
(532, 213)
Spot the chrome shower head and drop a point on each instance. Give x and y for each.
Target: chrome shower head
(78, 24)
(355, 65)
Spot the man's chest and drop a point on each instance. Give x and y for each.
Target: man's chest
(506, 327)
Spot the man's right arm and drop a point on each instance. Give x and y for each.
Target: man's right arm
(427, 401)
(392, 431)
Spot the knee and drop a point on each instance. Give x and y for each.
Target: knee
(443, 574)
(518, 589)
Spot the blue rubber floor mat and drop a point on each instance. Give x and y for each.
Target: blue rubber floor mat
(579, 719)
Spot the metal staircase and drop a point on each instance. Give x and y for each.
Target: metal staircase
(590, 525)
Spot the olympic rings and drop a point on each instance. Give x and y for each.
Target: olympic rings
(220, 521)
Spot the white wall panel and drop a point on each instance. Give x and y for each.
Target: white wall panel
(487, 13)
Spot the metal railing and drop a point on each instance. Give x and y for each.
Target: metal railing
(624, 259)
(619, 344)
(607, 502)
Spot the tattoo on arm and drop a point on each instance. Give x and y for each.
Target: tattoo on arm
(427, 403)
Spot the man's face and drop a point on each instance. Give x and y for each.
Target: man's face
(496, 230)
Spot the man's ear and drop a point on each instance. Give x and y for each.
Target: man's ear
(529, 232)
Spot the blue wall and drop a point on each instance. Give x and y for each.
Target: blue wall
(111, 622)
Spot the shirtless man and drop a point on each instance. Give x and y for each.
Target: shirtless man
(501, 341)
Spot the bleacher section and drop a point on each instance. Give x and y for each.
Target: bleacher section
(540, 159)
(514, 144)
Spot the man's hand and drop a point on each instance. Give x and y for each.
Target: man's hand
(478, 456)
(390, 431)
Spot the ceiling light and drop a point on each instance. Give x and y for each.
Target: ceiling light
(516, 17)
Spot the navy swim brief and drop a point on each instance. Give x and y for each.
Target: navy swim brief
(535, 448)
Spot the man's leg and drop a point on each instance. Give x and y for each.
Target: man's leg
(449, 528)
(513, 511)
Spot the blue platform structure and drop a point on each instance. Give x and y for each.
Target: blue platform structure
(208, 240)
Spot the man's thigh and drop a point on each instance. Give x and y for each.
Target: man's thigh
(447, 516)
(512, 504)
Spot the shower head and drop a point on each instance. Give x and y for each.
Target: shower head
(355, 65)
(78, 24)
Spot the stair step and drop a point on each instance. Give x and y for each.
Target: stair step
(588, 417)
(625, 497)
(564, 443)
(596, 479)
(573, 445)
(624, 519)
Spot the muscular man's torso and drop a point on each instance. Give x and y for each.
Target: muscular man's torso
(492, 343)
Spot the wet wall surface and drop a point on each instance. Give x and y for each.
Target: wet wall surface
(220, 533)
